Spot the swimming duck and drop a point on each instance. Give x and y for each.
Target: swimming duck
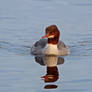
(52, 45)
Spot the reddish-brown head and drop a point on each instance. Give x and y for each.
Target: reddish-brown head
(52, 74)
(52, 33)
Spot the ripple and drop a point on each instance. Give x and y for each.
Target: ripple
(79, 81)
(14, 48)
(82, 48)
(5, 17)
(83, 4)
(74, 90)
(85, 41)
(5, 85)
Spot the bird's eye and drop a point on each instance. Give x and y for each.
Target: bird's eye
(51, 32)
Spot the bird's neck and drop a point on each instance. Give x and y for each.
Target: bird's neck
(53, 41)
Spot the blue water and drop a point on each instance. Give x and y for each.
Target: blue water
(22, 22)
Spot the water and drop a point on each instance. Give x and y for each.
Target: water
(22, 22)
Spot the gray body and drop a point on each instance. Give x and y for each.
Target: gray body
(37, 48)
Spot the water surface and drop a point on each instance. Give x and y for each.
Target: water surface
(22, 22)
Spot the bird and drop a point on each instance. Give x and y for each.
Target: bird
(52, 45)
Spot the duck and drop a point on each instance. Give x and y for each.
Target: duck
(52, 45)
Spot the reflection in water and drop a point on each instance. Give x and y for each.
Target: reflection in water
(52, 74)
(41, 60)
(50, 86)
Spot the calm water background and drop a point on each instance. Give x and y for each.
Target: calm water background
(22, 22)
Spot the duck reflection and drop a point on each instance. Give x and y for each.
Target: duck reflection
(49, 86)
(52, 74)
(51, 62)
(42, 60)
